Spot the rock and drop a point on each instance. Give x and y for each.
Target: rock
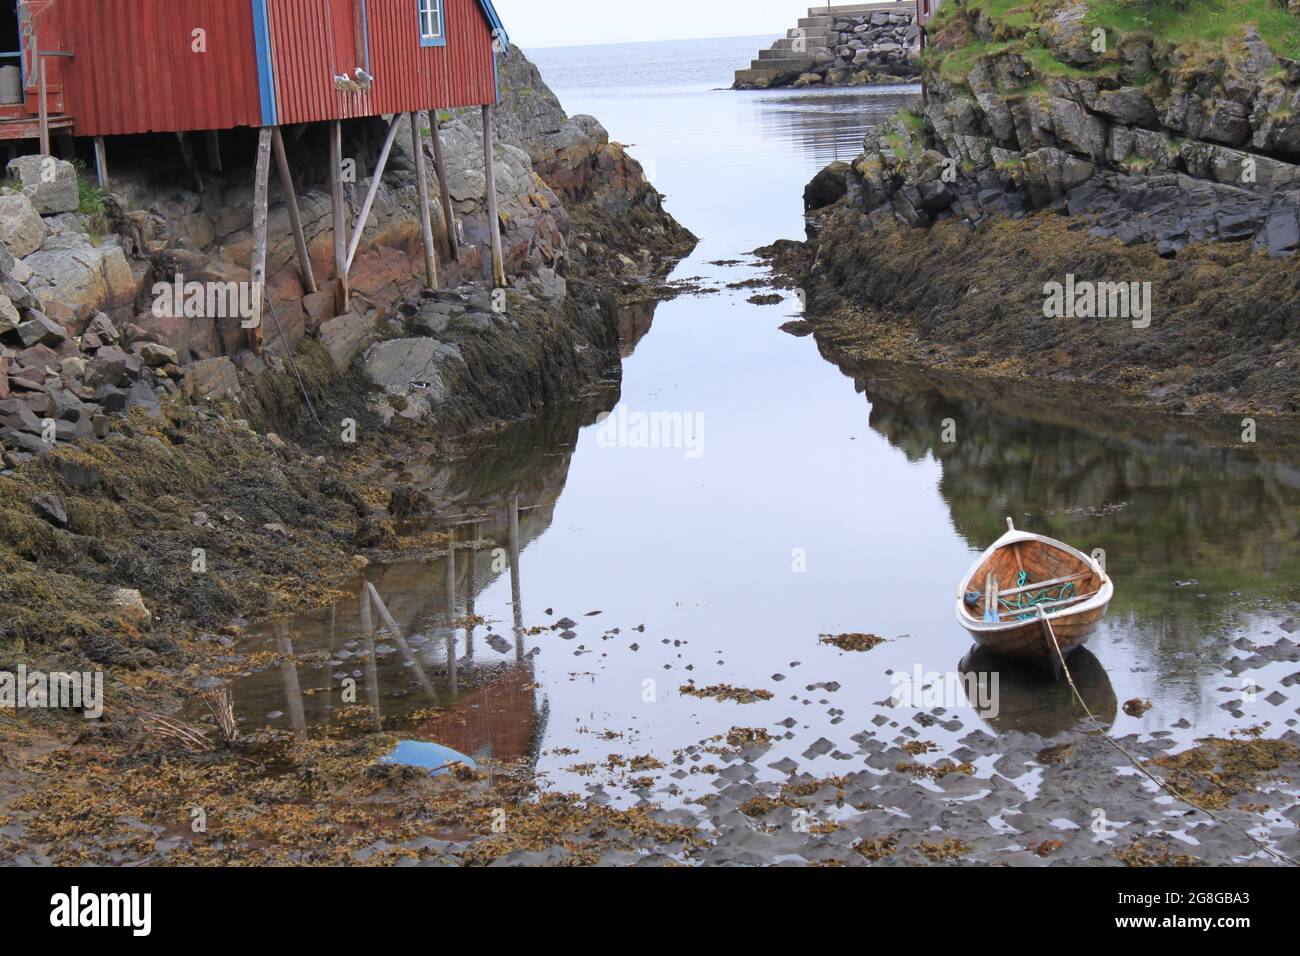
(39, 329)
(1282, 232)
(19, 415)
(142, 396)
(50, 184)
(22, 231)
(9, 315)
(1130, 106)
(410, 371)
(86, 278)
(319, 308)
(77, 475)
(344, 336)
(23, 441)
(111, 398)
(1069, 36)
(74, 368)
(102, 327)
(1076, 128)
(110, 366)
(52, 509)
(828, 187)
(155, 356)
(213, 379)
(131, 606)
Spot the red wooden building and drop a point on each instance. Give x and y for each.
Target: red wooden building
(103, 68)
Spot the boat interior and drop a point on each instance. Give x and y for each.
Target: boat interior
(1017, 579)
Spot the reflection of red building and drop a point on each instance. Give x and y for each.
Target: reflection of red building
(499, 719)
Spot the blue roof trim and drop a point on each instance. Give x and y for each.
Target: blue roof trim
(490, 12)
(265, 69)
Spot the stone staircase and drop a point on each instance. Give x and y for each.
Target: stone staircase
(805, 46)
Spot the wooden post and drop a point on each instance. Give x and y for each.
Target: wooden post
(191, 165)
(360, 226)
(451, 603)
(257, 271)
(291, 204)
(43, 106)
(213, 139)
(395, 631)
(444, 191)
(342, 294)
(516, 596)
(101, 162)
(494, 218)
(422, 189)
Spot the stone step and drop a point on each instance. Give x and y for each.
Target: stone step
(849, 9)
(810, 34)
(774, 66)
(805, 43)
(793, 54)
(816, 23)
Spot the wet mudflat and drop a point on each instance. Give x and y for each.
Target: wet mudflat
(635, 606)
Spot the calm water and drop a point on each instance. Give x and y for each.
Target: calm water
(810, 500)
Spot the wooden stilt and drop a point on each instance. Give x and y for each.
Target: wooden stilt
(213, 139)
(342, 294)
(444, 191)
(291, 204)
(494, 218)
(257, 271)
(101, 162)
(360, 226)
(422, 189)
(191, 165)
(43, 106)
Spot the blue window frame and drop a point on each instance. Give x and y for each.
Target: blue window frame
(433, 25)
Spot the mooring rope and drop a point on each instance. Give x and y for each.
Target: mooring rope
(294, 365)
(1137, 764)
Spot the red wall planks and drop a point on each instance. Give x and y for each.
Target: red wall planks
(134, 70)
(408, 77)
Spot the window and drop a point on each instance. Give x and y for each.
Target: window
(433, 30)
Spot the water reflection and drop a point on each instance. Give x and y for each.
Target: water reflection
(406, 654)
(1031, 701)
(829, 126)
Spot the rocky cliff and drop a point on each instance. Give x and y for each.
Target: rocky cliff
(84, 338)
(1059, 140)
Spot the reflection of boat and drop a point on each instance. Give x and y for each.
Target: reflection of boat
(1046, 577)
(1028, 701)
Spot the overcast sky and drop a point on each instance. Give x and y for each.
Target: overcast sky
(538, 23)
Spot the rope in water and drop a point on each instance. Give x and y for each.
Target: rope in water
(1138, 765)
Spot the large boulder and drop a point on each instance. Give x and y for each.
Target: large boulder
(828, 187)
(85, 277)
(343, 337)
(412, 374)
(22, 231)
(212, 379)
(9, 315)
(51, 184)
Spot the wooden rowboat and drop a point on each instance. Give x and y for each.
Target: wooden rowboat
(1003, 598)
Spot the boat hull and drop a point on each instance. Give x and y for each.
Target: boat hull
(1028, 640)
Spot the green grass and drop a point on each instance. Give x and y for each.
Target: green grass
(1187, 23)
(90, 203)
(1199, 21)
